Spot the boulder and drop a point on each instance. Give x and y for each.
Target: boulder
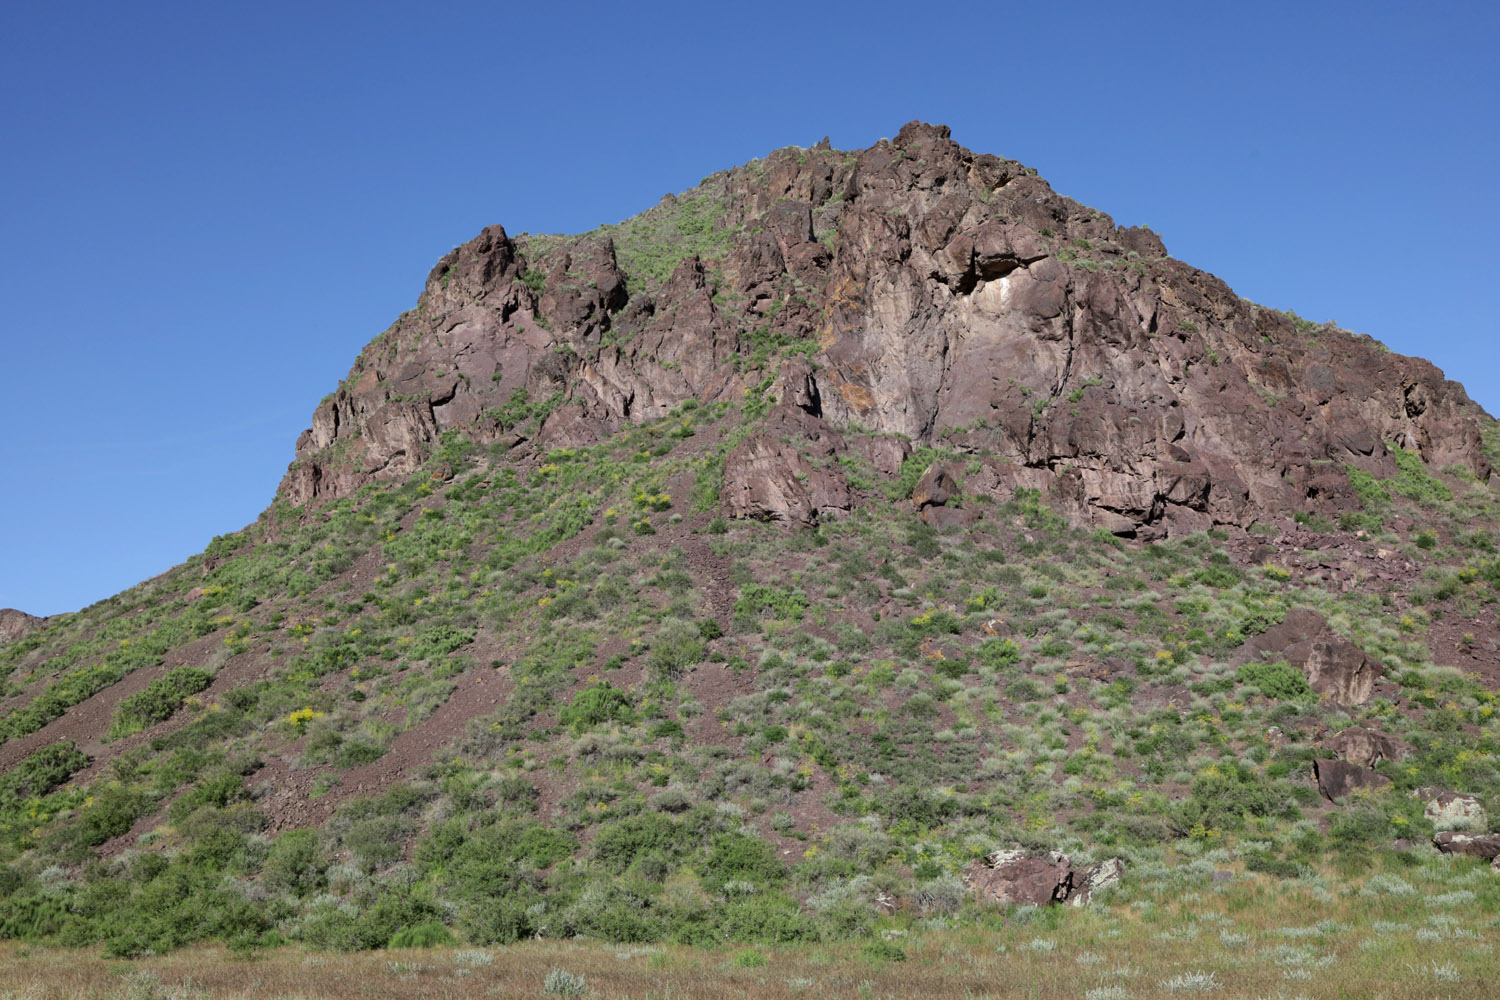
(936, 487)
(771, 475)
(1097, 877)
(1451, 810)
(1334, 667)
(1023, 878)
(1367, 747)
(1022, 881)
(1338, 669)
(1483, 846)
(1338, 778)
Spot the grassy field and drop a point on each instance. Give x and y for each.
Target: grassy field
(1425, 927)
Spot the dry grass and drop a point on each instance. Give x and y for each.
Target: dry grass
(1250, 938)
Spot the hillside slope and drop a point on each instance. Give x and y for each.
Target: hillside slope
(748, 570)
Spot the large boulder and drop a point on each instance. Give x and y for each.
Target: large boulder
(936, 487)
(1334, 667)
(1024, 878)
(1338, 778)
(1367, 747)
(1451, 810)
(785, 472)
(1483, 846)
(1097, 877)
(1338, 669)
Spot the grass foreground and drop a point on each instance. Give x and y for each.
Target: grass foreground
(1424, 927)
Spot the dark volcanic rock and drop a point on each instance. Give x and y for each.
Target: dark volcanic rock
(769, 475)
(1340, 670)
(1022, 878)
(1367, 747)
(1333, 666)
(962, 301)
(1338, 778)
(936, 487)
(1021, 881)
(1485, 846)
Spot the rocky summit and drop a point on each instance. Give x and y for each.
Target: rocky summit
(934, 296)
(872, 550)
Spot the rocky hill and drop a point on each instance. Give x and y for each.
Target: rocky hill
(939, 297)
(855, 537)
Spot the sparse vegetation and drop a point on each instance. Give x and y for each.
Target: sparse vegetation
(548, 694)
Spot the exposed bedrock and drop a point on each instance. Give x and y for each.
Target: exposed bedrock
(940, 297)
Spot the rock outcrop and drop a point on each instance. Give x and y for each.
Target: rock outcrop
(1023, 878)
(784, 472)
(1451, 810)
(1483, 846)
(1367, 747)
(1339, 778)
(1334, 667)
(17, 624)
(942, 297)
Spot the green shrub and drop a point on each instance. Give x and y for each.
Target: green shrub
(1355, 521)
(601, 702)
(1280, 681)
(1373, 496)
(1260, 861)
(918, 807)
(1225, 794)
(617, 845)
(1023, 689)
(759, 601)
(880, 950)
(376, 841)
(676, 646)
(428, 934)
(296, 863)
(39, 773)
(734, 857)
(158, 701)
(997, 654)
(114, 810)
(762, 918)
(1414, 482)
(439, 641)
(1217, 576)
(1359, 827)
(392, 911)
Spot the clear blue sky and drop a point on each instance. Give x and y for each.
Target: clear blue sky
(208, 209)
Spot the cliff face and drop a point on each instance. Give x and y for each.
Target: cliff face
(938, 296)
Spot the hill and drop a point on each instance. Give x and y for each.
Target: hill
(768, 566)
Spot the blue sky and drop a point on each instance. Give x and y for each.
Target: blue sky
(209, 209)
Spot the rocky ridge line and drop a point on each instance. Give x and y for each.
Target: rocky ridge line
(939, 296)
